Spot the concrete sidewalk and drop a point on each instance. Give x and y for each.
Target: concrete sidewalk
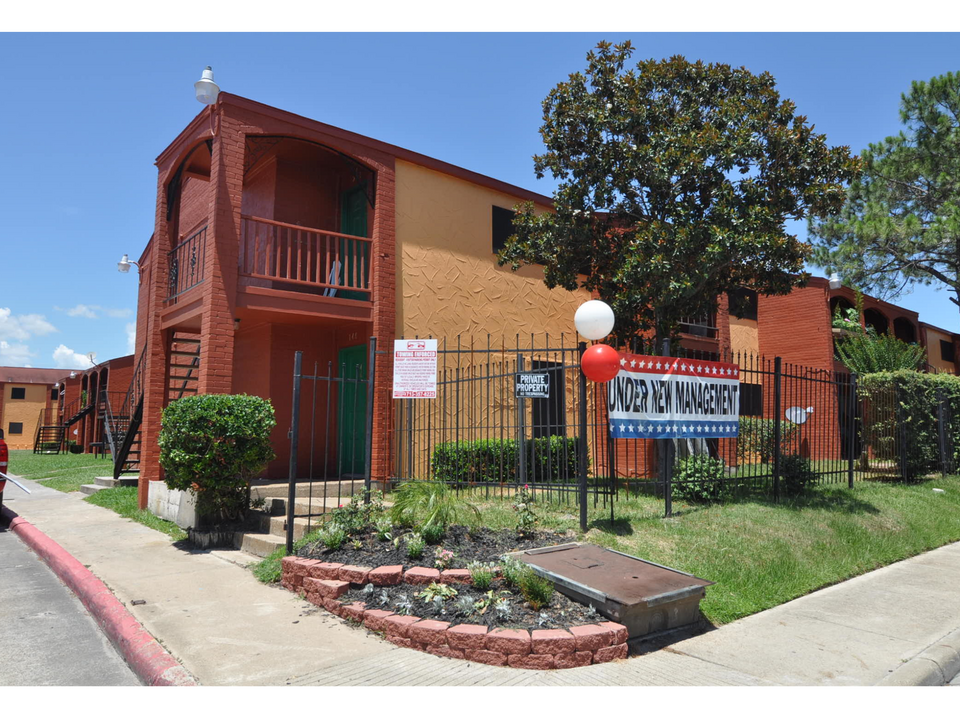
(897, 625)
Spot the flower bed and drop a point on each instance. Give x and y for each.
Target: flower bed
(325, 583)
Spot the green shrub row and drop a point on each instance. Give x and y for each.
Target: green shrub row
(497, 461)
(901, 415)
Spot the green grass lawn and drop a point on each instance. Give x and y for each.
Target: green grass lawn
(64, 472)
(762, 554)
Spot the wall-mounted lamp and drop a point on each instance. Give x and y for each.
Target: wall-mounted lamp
(835, 282)
(73, 374)
(207, 89)
(125, 263)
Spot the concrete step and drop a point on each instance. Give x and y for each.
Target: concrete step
(91, 489)
(304, 505)
(123, 481)
(305, 488)
(260, 544)
(278, 527)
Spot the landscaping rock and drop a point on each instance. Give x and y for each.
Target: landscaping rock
(428, 632)
(421, 576)
(354, 574)
(386, 575)
(531, 662)
(615, 652)
(508, 642)
(487, 657)
(552, 642)
(467, 637)
(353, 611)
(327, 570)
(456, 576)
(572, 660)
(398, 624)
(325, 588)
(375, 619)
(592, 637)
(619, 631)
(445, 651)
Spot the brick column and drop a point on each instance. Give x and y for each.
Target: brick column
(384, 318)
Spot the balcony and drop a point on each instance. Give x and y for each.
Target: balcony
(291, 257)
(186, 264)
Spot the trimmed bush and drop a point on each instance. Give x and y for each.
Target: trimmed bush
(757, 436)
(901, 416)
(550, 458)
(212, 445)
(796, 475)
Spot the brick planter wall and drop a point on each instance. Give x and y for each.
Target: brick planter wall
(323, 583)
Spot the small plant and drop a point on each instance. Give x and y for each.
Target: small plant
(369, 589)
(512, 570)
(333, 536)
(432, 534)
(796, 475)
(699, 478)
(384, 529)
(357, 514)
(397, 540)
(502, 608)
(438, 606)
(415, 546)
(526, 518)
(258, 503)
(404, 605)
(420, 504)
(438, 590)
(466, 605)
(357, 544)
(544, 619)
(537, 591)
(484, 602)
(481, 574)
(591, 612)
(443, 559)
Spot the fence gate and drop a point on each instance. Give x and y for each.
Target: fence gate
(331, 433)
(506, 416)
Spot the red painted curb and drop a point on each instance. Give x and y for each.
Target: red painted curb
(152, 664)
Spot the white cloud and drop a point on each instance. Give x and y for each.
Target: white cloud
(66, 358)
(22, 327)
(86, 311)
(90, 311)
(131, 337)
(15, 355)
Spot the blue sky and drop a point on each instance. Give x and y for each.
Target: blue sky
(79, 183)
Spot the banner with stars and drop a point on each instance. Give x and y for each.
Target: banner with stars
(662, 397)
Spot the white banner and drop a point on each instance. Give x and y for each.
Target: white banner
(662, 397)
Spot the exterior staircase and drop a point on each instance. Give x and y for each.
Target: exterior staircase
(52, 426)
(318, 499)
(123, 428)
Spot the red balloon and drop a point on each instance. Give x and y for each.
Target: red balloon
(600, 363)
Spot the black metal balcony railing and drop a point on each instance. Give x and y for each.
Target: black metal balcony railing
(703, 326)
(186, 263)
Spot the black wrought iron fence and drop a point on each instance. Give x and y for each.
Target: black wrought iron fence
(186, 264)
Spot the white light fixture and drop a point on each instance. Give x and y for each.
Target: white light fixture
(835, 282)
(594, 319)
(56, 385)
(125, 263)
(207, 89)
(73, 374)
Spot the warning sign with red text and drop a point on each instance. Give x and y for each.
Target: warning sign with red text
(415, 368)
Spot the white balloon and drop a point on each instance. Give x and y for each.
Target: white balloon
(594, 319)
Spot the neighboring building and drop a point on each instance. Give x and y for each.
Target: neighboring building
(27, 397)
(276, 233)
(88, 397)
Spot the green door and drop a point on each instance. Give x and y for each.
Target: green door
(352, 410)
(354, 255)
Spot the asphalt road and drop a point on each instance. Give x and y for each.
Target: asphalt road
(47, 637)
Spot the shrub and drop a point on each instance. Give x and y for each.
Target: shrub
(333, 536)
(526, 518)
(757, 436)
(497, 461)
(796, 475)
(212, 445)
(421, 504)
(699, 478)
(357, 515)
(481, 575)
(512, 570)
(384, 529)
(432, 534)
(536, 590)
(871, 352)
(901, 417)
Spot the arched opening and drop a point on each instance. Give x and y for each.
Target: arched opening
(904, 330)
(875, 319)
(841, 304)
(306, 216)
(188, 206)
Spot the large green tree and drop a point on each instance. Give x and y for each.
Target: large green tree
(901, 222)
(675, 179)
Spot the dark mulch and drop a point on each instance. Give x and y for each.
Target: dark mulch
(481, 544)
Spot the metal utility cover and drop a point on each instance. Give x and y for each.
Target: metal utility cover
(645, 597)
(610, 575)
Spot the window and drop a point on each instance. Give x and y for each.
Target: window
(16, 428)
(18, 393)
(751, 399)
(54, 394)
(946, 351)
(743, 304)
(502, 227)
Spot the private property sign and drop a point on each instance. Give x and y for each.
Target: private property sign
(415, 368)
(662, 397)
(532, 385)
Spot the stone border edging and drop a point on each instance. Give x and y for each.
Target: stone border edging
(146, 657)
(324, 583)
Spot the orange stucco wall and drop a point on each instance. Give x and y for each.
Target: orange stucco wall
(26, 411)
(448, 280)
(934, 357)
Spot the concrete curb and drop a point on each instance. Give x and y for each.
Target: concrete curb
(152, 664)
(935, 666)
